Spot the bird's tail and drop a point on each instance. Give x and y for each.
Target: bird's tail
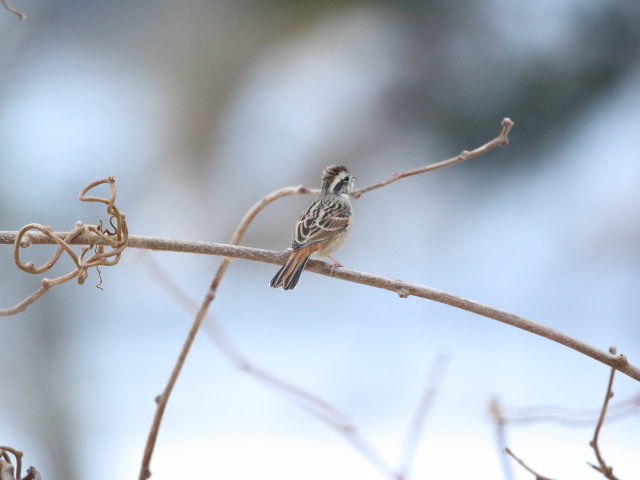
(288, 276)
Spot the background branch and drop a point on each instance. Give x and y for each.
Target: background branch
(524, 465)
(568, 416)
(416, 427)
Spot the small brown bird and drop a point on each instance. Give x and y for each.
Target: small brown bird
(322, 228)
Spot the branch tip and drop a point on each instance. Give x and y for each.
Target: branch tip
(503, 138)
(500, 140)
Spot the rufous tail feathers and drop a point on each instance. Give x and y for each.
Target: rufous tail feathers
(288, 276)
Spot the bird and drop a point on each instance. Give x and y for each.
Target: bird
(322, 228)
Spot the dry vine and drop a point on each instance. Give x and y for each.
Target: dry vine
(97, 237)
(6, 466)
(7, 471)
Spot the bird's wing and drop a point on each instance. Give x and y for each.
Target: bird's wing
(321, 221)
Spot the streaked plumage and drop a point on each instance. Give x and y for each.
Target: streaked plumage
(322, 228)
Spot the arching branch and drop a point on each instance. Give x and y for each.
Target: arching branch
(402, 288)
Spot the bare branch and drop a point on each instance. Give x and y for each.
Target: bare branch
(603, 468)
(533, 472)
(401, 288)
(500, 141)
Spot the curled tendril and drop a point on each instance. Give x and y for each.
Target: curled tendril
(99, 237)
(21, 16)
(4, 451)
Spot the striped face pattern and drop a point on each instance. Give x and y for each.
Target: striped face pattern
(337, 180)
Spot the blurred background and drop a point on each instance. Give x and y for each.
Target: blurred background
(201, 108)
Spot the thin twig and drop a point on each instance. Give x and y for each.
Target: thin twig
(21, 16)
(401, 288)
(524, 465)
(603, 468)
(500, 141)
(162, 400)
(412, 437)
